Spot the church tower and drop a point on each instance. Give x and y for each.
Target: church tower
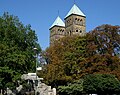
(75, 22)
(57, 30)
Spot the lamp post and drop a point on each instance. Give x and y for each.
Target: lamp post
(35, 50)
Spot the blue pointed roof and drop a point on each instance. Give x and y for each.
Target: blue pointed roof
(75, 10)
(58, 22)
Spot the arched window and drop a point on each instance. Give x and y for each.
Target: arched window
(67, 33)
(70, 32)
(75, 18)
(76, 30)
(81, 22)
(80, 31)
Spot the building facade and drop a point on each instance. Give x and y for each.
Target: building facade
(75, 24)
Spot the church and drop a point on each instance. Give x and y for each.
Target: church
(74, 24)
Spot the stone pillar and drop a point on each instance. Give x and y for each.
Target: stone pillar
(54, 91)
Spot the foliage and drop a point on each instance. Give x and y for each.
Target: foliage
(65, 57)
(16, 49)
(103, 46)
(75, 88)
(71, 58)
(101, 84)
(104, 39)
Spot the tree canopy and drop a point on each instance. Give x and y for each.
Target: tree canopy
(74, 88)
(73, 57)
(16, 50)
(65, 56)
(101, 84)
(103, 48)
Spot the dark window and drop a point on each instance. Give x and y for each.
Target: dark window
(70, 32)
(76, 30)
(81, 22)
(80, 31)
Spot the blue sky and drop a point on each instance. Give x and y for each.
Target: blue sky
(40, 14)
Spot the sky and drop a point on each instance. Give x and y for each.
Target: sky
(41, 14)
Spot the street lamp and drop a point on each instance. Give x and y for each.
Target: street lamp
(35, 50)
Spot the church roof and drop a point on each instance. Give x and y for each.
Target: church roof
(75, 10)
(58, 22)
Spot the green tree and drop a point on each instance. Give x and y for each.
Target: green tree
(101, 84)
(16, 50)
(74, 88)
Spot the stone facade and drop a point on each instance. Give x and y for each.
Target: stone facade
(75, 25)
(56, 32)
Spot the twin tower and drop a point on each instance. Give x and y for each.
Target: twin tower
(75, 24)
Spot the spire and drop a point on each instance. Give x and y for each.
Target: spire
(74, 1)
(58, 12)
(75, 10)
(58, 22)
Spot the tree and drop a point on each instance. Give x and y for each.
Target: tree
(73, 57)
(103, 46)
(64, 60)
(16, 50)
(104, 39)
(101, 84)
(74, 88)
